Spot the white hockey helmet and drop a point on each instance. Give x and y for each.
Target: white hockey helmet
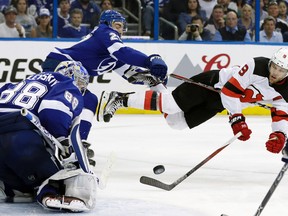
(75, 71)
(280, 58)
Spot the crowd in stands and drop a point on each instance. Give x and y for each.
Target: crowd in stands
(222, 20)
(196, 20)
(34, 19)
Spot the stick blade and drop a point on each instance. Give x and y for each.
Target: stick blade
(155, 183)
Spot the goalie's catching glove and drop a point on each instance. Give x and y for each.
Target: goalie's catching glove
(238, 124)
(157, 66)
(276, 142)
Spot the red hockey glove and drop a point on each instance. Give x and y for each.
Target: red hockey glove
(276, 142)
(238, 124)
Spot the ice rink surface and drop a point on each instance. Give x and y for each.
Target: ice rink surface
(234, 182)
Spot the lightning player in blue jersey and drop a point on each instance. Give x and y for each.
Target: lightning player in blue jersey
(103, 51)
(27, 158)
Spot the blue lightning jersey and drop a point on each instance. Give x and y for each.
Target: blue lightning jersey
(52, 97)
(102, 51)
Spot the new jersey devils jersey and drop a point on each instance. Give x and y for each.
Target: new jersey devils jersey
(242, 86)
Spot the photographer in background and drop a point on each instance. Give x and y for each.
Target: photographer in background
(195, 31)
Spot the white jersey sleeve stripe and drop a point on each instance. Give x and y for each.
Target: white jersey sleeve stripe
(87, 115)
(115, 47)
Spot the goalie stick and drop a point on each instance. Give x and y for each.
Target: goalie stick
(209, 87)
(168, 187)
(74, 138)
(272, 189)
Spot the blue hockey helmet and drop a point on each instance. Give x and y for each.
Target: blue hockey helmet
(75, 71)
(109, 16)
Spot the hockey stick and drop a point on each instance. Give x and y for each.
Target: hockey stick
(272, 189)
(74, 138)
(168, 187)
(34, 120)
(209, 87)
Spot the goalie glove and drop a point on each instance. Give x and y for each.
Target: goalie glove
(157, 66)
(276, 142)
(238, 124)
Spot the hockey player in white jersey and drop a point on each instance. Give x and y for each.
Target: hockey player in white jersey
(29, 161)
(259, 80)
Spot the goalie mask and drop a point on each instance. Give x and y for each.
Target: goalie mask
(75, 71)
(108, 17)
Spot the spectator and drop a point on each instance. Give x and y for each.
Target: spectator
(193, 9)
(263, 13)
(63, 14)
(171, 12)
(173, 8)
(43, 29)
(216, 20)
(208, 6)
(228, 5)
(273, 10)
(104, 5)
(36, 5)
(240, 4)
(148, 15)
(266, 4)
(90, 9)
(2, 18)
(74, 28)
(9, 28)
(246, 19)
(283, 11)
(4, 4)
(195, 31)
(26, 20)
(268, 34)
(232, 31)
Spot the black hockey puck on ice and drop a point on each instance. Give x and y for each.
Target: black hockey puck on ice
(158, 169)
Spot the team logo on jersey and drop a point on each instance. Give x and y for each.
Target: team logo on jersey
(105, 66)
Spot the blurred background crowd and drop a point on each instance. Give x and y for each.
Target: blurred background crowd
(192, 20)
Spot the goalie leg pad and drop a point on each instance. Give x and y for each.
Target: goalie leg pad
(83, 186)
(79, 195)
(64, 203)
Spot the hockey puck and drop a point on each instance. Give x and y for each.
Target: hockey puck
(158, 169)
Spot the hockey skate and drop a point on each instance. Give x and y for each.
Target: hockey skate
(64, 203)
(109, 103)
